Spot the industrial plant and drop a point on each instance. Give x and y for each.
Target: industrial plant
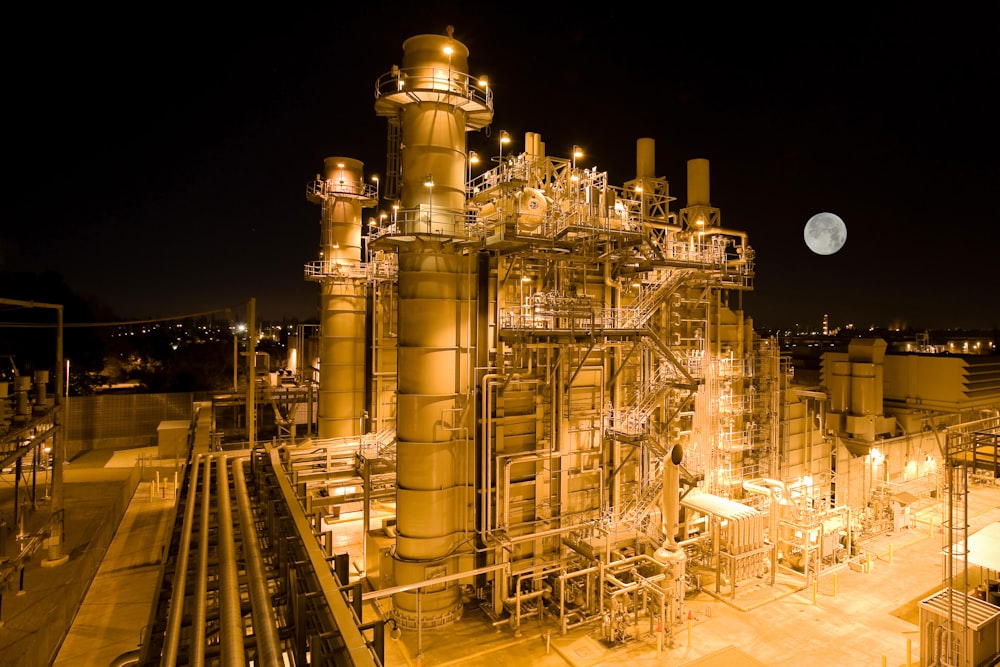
(534, 399)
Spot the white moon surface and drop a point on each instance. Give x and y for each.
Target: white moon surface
(825, 233)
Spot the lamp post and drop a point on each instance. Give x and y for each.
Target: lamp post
(473, 159)
(429, 184)
(504, 139)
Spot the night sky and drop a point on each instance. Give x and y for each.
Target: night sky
(160, 163)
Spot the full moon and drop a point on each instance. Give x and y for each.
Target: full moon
(825, 233)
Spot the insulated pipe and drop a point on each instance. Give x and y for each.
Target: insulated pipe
(232, 631)
(264, 623)
(176, 615)
(198, 616)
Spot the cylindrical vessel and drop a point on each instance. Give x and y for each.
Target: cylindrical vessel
(343, 305)
(645, 158)
(697, 182)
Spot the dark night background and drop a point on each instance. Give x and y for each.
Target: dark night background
(159, 163)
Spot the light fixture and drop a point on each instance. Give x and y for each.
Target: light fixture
(429, 184)
(473, 159)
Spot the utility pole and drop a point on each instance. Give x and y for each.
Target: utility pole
(251, 372)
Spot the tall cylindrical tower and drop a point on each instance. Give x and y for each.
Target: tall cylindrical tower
(431, 101)
(342, 194)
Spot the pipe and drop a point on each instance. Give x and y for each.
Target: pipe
(264, 623)
(230, 614)
(128, 659)
(486, 470)
(198, 615)
(172, 634)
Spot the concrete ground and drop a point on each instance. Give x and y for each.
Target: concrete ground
(852, 618)
(109, 569)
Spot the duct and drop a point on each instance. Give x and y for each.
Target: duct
(172, 635)
(264, 623)
(230, 613)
